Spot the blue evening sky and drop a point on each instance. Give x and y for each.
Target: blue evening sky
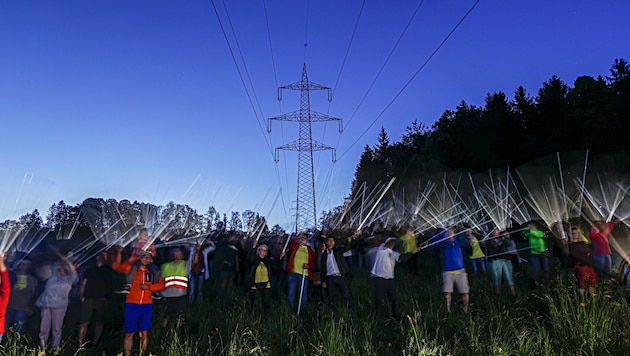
(142, 100)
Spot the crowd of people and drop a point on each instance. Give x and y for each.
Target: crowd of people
(295, 268)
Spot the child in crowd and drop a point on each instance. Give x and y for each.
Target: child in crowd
(142, 244)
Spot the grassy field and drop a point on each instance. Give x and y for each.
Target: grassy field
(547, 320)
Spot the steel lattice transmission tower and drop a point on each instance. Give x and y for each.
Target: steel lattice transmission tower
(306, 207)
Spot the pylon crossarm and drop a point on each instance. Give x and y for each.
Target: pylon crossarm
(318, 146)
(318, 117)
(276, 156)
(304, 86)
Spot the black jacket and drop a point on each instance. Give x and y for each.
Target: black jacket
(253, 261)
(341, 261)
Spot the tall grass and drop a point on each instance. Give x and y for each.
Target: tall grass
(548, 320)
(418, 340)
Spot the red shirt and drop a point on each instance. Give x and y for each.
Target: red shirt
(600, 243)
(5, 292)
(199, 265)
(600, 240)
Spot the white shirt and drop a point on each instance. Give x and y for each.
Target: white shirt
(331, 263)
(385, 262)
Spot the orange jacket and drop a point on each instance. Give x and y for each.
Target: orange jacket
(137, 295)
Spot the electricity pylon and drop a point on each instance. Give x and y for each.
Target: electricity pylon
(306, 207)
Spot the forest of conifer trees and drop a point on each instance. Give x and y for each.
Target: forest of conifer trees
(593, 114)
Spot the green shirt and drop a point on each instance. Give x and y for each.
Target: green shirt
(536, 241)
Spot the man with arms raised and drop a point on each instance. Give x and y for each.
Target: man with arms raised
(334, 271)
(453, 271)
(139, 302)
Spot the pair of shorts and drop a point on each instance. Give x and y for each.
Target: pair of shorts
(98, 306)
(138, 317)
(586, 277)
(459, 280)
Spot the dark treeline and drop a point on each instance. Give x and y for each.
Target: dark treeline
(99, 217)
(594, 114)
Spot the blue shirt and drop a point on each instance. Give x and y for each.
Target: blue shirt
(452, 255)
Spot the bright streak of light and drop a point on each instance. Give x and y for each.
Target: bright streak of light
(369, 200)
(623, 211)
(186, 240)
(547, 201)
(499, 203)
(517, 250)
(377, 201)
(85, 251)
(605, 198)
(623, 251)
(440, 208)
(9, 233)
(430, 242)
(261, 227)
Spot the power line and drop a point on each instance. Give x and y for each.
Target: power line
(391, 52)
(412, 77)
(308, 3)
(240, 75)
(240, 52)
(275, 76)
(273, 59)
(345, 57)
(251, 102)
(343, 64)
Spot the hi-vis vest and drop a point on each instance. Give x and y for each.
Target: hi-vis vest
(175, 275)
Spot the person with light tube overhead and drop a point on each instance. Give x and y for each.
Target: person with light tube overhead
(334, 271)
(382, 275)
(300, 262)
(139, 301)
(53, 302)
(453, 269)
(22, 300)
(581, 257)
(175, 286)
(602, 253)
(5, 293)
(258, 279)
(538, 252)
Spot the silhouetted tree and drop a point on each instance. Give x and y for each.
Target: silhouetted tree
(551, 122)
(590, 115)
(236, 224)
